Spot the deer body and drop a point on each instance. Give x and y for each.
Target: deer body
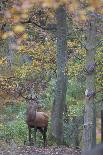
(36, 120)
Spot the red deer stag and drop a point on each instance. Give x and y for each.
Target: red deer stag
(36, 120)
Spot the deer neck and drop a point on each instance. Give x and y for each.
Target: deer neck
(31, 114)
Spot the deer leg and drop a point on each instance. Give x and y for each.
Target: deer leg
(43, 132)
(40, 129)
(29, 128)
(44, 136)
(35, 130)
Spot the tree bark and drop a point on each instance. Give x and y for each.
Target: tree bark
(60, 91)
(89, 131)
(11, 42)
(102, 126)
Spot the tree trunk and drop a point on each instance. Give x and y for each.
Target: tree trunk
(11, 44)
(89, 131)
(61, 59)
(102, 126)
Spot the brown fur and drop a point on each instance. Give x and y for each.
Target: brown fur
(40, 120)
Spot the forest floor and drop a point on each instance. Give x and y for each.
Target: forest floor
(32, 150)
(13, 149)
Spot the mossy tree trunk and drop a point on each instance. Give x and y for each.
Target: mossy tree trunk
(89, 131)
(61, 83)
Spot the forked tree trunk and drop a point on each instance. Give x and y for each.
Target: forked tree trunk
(89, 131)
(61, 59)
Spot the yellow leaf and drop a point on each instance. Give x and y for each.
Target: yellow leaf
(96, 3)
(21, 48)
(5, 35)
(2, 61)
(73, 6)
(19, 28)
(13, 10)
(24, 15)
(83, 16)
(50, 3)
(16, 18)
(24, 36)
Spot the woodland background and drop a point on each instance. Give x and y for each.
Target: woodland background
(54, 50)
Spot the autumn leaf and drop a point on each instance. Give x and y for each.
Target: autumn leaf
(18, 28)
(2, 61)
(82, 15)
(73, 6)
(96, 3)
(24, 36)
(5, 35)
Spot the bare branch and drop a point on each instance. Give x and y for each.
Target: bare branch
(48, 27)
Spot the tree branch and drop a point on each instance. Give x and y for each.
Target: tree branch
(48, 27)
